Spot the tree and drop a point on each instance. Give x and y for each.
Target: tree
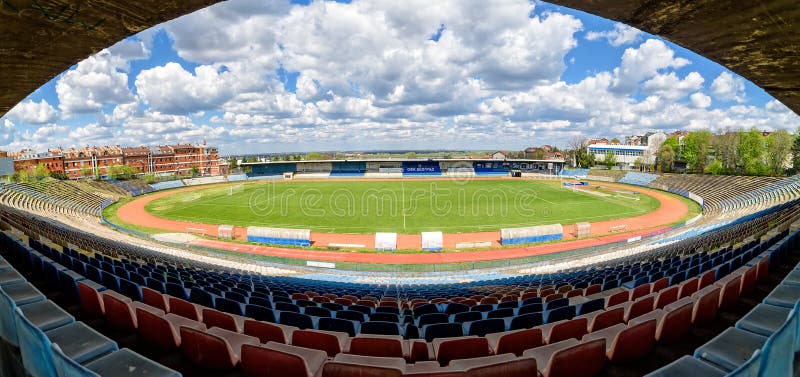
(315, 156)
(726, 147)
(751, 152)
(615, 141)
(666, 156)
(41, 171)
(233, 163)
(675, 144)
(714, 168)
(637, 163)
(796, 152)
(411, 155)
(695, 149)
(86, 171)
(195, 170)
(538, 154)
(610, 160)
(779, 145)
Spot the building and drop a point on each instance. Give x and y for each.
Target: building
(83, 162)
(629, 155)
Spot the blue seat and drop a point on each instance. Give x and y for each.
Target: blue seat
(508, 304)
(784, 295)
(385, 317)
(441, 330)
(111, 282)
(591, 306)
(482, 308)
(46, 315)
(425, 309)
(531, 300)
(338, 324)
(351, 315)
(730, 349)
(530, 308)
(228, 306)
(764, 319)
(557, 303)
(156, 285)
(455, 308)
(332, 306)
(66, 367)
(559, 314)
(177, 291)
(777, 356)
(69, 285)
(687, 366)
(77, 341)
(128, 363)
(500, 313)
(131, 290)
(431, 318)
(410, 331)
(298, 320)
(360, 308)
(286, 307)
(380, 328)
(259, 313)
(201, 297)
(466, 317)
(22, 294)
(484, 326)
(10, 276)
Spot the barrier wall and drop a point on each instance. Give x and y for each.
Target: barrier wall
(489, 168)
(532, 234)
(421, 168)
(348, 168)
(272, 169)
(166, 185)
(279, 236)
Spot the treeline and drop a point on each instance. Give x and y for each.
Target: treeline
(732, 152)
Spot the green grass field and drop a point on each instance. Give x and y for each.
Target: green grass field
(409, 206)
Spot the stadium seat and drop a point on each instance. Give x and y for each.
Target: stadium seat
(559, 314)
(380, 328)
(764, 319)
(570, 358)
(441, 330)
(329, 341)
(515, 341)
(590, 306)
(379, 346)
(351, 315)
(447, 349)
(298, 320)
(526, 321)
(268, 332)
(705, 309)
(216, 318)
(489, 366)
(730, 349)
(687, 366)
(466, 317)
(280, 360)
(215, 348)
(185, 309)
(338, 324)
(162, 331)
(626, 343)
(364, 366)
(569, 328)
(484, 326)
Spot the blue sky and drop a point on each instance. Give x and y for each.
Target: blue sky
(276, 76)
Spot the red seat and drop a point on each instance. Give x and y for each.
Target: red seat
(528, 295)
(592, 289)
(91, 302)
(546, 292)
(155, 299)
(575, 293)
(470, 302)
(350, 297)
(749, 278)
(331, 342)
(346, 365)
(659, 284)
(565, 329)
(666, 297)
(320, 299)
(687, 288)
(729, 294)
(605, 318)
(184, 309)
(553, 296)
(707, 279)
(570, 358)
(280, 360)
(507, 298)
(367, 303)
(617, 298)
(343, 301)
(516, 341)
(639, 307)
(626, 343)
(707, 304)
(677, 320)
(467, 347)
(763, 269)
(214, 348)
(216, 318)
(379, 345)
(504, 365)
(163, 332)
(268, 332)
(490, 301)
(119, 311)
(564, 289)
(300, 296)
(642, 290)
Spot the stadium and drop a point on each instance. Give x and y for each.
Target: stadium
(467, 265)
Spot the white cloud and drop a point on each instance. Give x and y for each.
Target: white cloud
(7, 131)
(644, 62)
(671, 87)
(32, 112)
(92, 133)
(621, 35)
(700, 100)
(97, 80)
(728, 88)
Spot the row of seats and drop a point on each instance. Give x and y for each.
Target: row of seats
(52, 343)
(229, 330)
(764, 341)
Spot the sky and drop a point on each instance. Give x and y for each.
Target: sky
(256, 76)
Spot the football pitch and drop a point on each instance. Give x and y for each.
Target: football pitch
(403, 206)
